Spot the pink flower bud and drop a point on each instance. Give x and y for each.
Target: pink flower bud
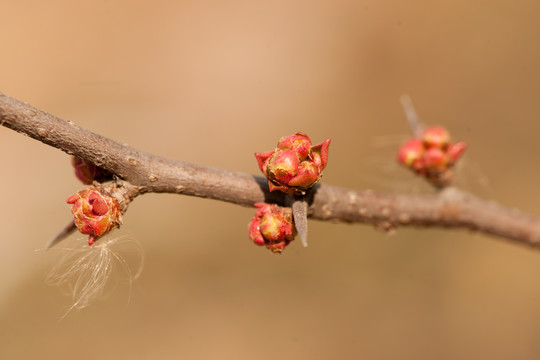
(295, 165)
(94, 212)
(272, 226)
(87, 172)
(436, 136)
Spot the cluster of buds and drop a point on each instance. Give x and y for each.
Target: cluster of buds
(295, 165)
(95, 212)
(432, 155)
(272, 226)
(87, 172)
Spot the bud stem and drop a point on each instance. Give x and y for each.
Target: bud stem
(411, 115)
(299, 209)
(68, 229)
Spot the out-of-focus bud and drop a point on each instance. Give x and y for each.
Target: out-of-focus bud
(87, 172)
(272, 226)
(436, 136)
(432, 156)
(94, 212)
(295, 165)
(411, 153)
(435, 159)
(455, 150)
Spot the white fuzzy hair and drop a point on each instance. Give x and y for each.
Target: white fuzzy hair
(86, 270)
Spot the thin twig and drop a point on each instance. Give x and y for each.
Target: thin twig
(411, 115)
(66, 231)
(149, 173)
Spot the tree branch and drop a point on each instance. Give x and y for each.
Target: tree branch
(150, 173)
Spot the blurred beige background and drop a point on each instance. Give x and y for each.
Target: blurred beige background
(211, 82)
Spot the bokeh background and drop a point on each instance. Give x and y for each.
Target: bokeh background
(212, 82)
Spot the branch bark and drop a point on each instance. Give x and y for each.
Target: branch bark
(452, 208)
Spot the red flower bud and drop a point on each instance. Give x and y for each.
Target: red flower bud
(87, 172)
(272, 226)
(94, 212)
(295, 165)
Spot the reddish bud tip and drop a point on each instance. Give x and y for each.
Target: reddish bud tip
(73, 198)
(262, 160)
(322, 151)
(91, 240)
(455, 150)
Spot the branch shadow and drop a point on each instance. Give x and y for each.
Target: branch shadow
(281, 199)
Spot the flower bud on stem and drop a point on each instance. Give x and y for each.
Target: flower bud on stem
(97, 210)
(295, 165)
(431, 153)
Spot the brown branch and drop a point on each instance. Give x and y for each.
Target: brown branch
(449, 208)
